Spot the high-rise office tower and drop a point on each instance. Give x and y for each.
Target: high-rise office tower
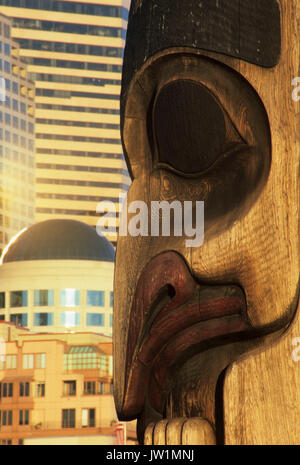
(74, 54)
(17, 175)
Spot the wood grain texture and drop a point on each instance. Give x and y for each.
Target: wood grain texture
(181, 432)
(257, 247)
(262, 390)
(197, 431)
(242, 29)
(262, 395)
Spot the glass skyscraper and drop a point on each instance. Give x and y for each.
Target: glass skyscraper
(17, 157)
(74, 51)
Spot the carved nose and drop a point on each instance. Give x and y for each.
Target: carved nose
(166, 274)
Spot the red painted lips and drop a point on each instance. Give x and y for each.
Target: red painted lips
(172, 312)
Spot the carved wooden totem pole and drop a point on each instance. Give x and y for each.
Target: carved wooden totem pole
(205, 337)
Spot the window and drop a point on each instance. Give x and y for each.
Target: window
(43, 298)
(18, 299)
(15, 87)
(2, 299)
(68, 418)
(69, 319)
(23, 142)
(11, 362)
(69, 388)
(24, 417)
(95, 319)
(7, 66)
(40, 389)
(89, 387)
(27, 361)
(24, 389)
(19, 319)
(5, 442)
(15, 139)
(7, 49)
(69, 297)
(40, 361)
(88, 417)
(111, 320)
(101, 388)
(111, 303)
(5, 417)
(7, 118)
(95, 298)
(23, 107)
(15, 105)
(43, 319)
(6, 31)
(16, 122)
(6, 389)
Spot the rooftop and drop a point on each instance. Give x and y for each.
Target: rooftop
(59, 240)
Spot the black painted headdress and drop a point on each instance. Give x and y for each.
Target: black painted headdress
(245, 29)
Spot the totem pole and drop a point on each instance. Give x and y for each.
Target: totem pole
(206, 336)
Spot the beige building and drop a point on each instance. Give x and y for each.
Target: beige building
(56, 389)
(74, 54)
(17, 155)
(57, 276)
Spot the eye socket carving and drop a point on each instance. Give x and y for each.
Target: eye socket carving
(190, 127)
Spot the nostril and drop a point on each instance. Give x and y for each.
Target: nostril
(171, 291)
(163, 298)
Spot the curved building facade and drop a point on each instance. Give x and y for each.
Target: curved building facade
(17, 151)
(73, 50)
(57, 276)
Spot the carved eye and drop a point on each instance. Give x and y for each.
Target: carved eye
(191, 128)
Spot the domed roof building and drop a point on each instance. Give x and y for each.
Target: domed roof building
(57, 276)
(60, 240)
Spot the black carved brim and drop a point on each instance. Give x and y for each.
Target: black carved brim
(244, 29)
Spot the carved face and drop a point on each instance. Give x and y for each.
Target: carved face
(200, 126)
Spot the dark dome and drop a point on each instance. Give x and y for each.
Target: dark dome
(60, 240)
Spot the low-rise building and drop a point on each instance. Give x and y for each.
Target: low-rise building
(56, 388)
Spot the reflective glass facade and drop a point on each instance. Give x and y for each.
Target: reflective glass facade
(74, 50)
(17, 146)
(92, 308)
(43, 298)
(95, 298)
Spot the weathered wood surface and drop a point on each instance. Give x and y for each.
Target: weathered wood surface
(257, 247)
(262, 394)
(243, 29)
(262, 391)
(180, 432)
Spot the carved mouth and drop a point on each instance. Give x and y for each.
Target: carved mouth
(173, 316)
